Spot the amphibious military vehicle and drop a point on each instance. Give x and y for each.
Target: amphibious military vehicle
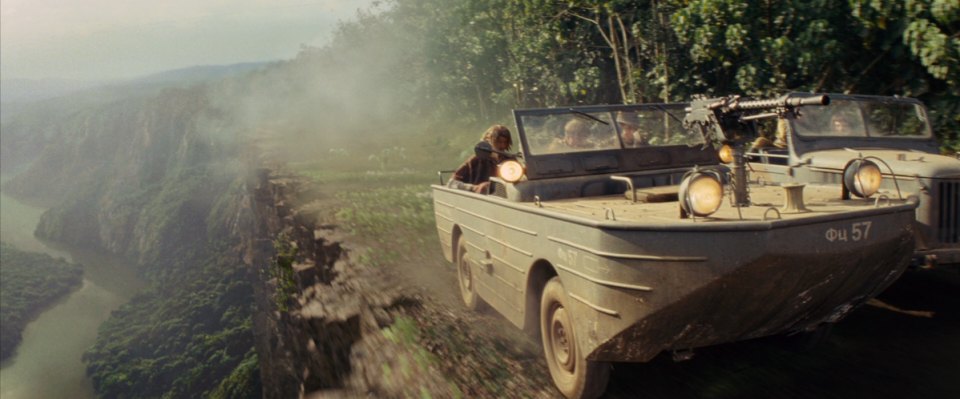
(615, 252)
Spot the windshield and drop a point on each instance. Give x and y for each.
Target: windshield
(567, 131)
(864, 118)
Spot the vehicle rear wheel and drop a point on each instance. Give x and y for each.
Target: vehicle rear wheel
(468, 291)
(573, 375)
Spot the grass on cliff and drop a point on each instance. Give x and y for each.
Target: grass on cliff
(378, 188)
(383, 199)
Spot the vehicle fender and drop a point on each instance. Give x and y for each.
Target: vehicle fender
(540, 272)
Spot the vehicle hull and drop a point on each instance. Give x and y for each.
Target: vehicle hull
(937, 217)
(783, 286)
(642, 288)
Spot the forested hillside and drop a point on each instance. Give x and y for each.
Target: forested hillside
(155, 177)
(409, 85)
(188, 335)
(29, 282)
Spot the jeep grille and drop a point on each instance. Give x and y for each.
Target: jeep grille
(948, 230)
(498, 190)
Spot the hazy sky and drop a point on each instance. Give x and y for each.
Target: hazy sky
(106, 39)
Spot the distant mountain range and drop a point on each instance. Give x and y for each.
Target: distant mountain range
(199, 73)
(36, 111)
(32, 90)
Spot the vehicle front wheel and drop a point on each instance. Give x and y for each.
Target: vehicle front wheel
(573, 375)
(468, 289)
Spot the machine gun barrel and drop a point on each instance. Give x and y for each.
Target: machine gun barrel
(788, 102)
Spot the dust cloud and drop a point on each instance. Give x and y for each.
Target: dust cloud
(352, 98)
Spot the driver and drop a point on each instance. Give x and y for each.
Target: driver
(474, 174)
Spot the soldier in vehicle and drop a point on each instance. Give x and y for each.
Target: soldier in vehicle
(841, 125)
(474, 174)
(780, 141)
(576, 136)
(629, 128)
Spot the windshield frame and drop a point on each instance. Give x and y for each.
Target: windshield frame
(534, 133)
(605, 120)
(862, 128)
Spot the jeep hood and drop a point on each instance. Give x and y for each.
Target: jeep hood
(904, 163)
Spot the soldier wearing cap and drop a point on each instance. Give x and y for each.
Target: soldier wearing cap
(629, 129)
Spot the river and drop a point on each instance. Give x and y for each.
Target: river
(48, 363)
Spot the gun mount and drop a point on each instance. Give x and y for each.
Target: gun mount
(723, 120)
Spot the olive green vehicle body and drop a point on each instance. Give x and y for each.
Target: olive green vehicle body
(644, 280)
(909, 160)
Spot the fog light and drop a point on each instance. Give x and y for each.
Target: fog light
(862, 178)
(701, 193)
(510, 171)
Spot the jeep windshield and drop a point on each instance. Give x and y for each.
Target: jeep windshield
(581, 129)
(865, 116)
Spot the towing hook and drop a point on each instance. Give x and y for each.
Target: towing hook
(924, 262)
(680, 355)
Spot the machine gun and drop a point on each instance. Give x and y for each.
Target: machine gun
(483, 149)
(723, 120)
(719, 119)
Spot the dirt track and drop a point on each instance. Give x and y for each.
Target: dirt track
(877, 352)
(906, 345)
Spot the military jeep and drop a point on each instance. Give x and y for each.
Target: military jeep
(891, 132)
(615, 253)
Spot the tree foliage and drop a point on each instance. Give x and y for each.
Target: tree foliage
(29, 282)
(478, 60)
(189, 336)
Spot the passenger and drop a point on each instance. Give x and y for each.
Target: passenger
(474, 174)
(629, 128)
(575, 137)
(779, 142)
(841, 125)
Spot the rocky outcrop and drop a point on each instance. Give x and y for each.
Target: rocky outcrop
(330, 339)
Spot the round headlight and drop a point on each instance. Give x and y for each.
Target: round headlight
(510, 171)
(701, 194)
(862, 178)
(726, 153)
